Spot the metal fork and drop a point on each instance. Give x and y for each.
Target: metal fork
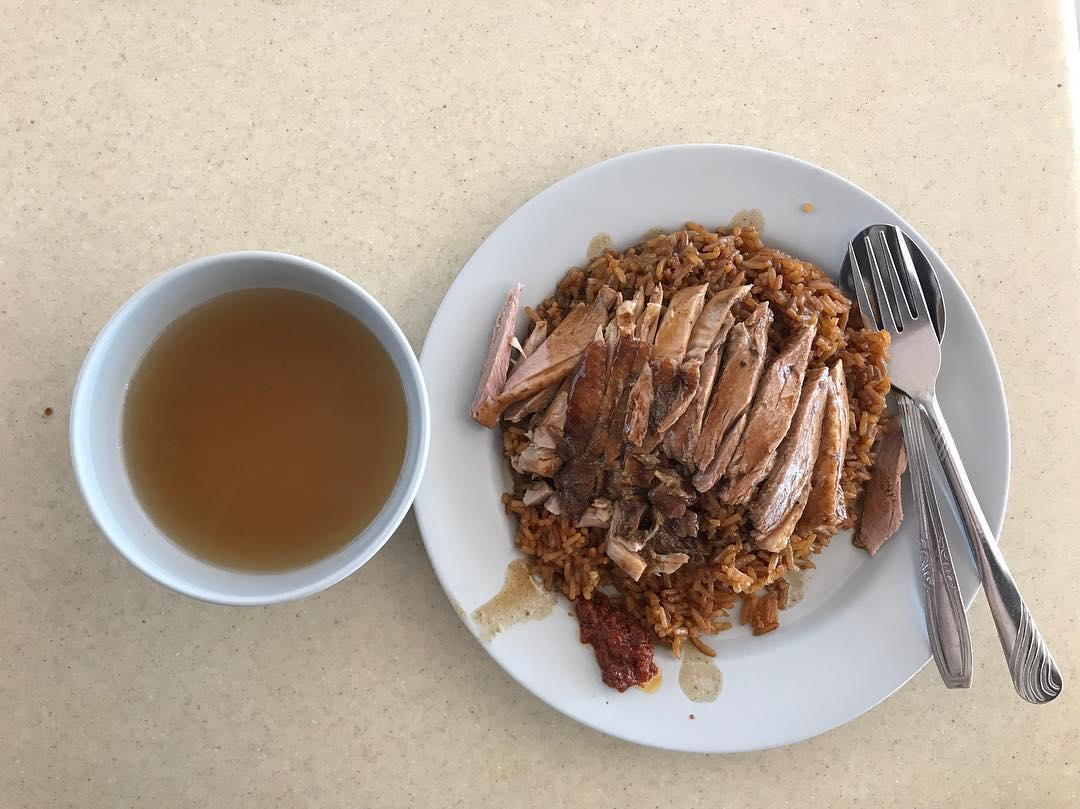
(914, 365)
(946, 622)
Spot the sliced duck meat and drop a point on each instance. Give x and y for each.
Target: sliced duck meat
(635, 474)
(546, 437)
(624, 538)
(680, 440)
(624, 323)
(664, 372)
(578, 476)
(674, 383)
(537, 460)
(625, 521)
(670, 496)
(720, 339)
(705, 479)
(744, 358)
(552, 505)
(497, 361)
(826, 508)
(526, 407)
(555, 413)
(661, 563)
(685, 526)
(639, 307)
(611, 332)
(630, 562)
(553, 359)
(882, 507)
(682, 313)
(626, 314)
(674, 390)
(586, 392)
(777, 539)
(624, 365)
(539, 400)
(549, 432)
(666, 541)
(577, 479)
(650, 315)
(666, 503)
(607, 297)
(597, 515)
(769, 418)
(651, 442)
(638, 406)
(536, 338)
(789, 480)
(630, 358)
(537, 493)
(711, 320)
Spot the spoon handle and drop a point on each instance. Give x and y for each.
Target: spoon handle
(1035, 675)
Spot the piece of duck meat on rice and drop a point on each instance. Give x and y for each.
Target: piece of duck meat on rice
(578, 477)
(721, 429)
(627, 361)
(638, 407)
(553, 359)
(825, 508)
(883, 509)
(497, 361)
(674, 382)
(710, 323)
(624, 537)
(772, 512)
(680, 440)
(769, 418)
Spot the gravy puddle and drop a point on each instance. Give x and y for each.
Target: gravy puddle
(752, 217)
(699, 677)
(521, 599)
(796, 580)
(599, 243)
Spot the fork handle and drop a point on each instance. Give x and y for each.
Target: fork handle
(946, 623)
(1034, 673)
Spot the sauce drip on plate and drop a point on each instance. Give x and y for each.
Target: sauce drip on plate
(796, 580)
(699, 677)
(599, 243)
(521, 599)
(749, 216)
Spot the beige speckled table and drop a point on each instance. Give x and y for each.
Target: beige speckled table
(386, 140)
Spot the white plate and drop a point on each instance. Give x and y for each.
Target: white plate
(858, 633)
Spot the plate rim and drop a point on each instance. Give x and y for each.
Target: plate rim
(935, 257)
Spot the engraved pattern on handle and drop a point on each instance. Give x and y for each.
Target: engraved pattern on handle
(1035, 675)
(946, 622)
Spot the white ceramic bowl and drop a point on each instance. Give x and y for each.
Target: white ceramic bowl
(96, 417)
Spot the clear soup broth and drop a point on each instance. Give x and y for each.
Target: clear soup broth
(265, 429)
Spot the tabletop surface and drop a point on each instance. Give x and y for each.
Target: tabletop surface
(387, 140)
